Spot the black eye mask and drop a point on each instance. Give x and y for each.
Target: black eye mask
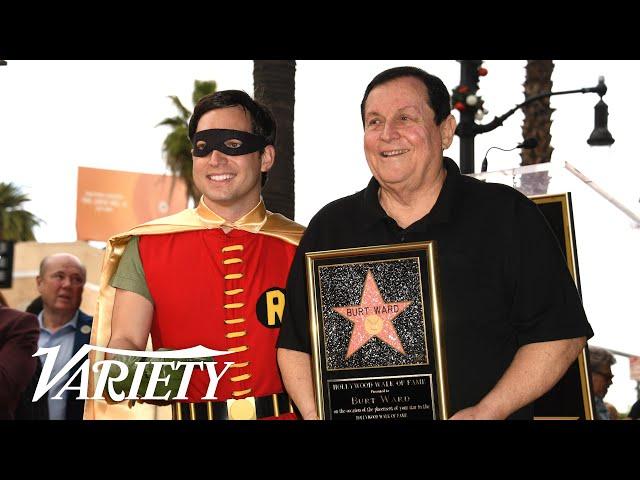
(216, 138)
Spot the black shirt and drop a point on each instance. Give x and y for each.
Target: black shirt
(503, 279)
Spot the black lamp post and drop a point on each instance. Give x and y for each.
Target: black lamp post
(470, 71)
(466, 130)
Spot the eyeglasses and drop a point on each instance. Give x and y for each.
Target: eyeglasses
(608, 376)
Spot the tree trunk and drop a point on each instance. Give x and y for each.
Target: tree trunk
(274, 86)
(537, 124)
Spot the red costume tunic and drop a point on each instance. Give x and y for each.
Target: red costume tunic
(208, 289)
(222, 291)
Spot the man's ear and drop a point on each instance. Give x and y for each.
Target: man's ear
(447, 131)
(267, 158)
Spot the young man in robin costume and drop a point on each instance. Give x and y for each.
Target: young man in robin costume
(212, 276)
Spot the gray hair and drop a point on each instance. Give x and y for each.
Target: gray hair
(600, 359)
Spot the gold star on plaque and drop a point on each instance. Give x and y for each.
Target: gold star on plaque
(372, 318)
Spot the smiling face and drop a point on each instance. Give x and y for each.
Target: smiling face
(230, 182)
(402, 143)
(60, 284)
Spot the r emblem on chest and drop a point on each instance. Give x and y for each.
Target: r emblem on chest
(270, 307)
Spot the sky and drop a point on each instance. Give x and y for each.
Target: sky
(58, 115)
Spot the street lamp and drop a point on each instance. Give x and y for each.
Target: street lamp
(601, 134)
(471, 110)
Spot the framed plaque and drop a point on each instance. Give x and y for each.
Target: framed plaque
(377, 334)
(570, 398)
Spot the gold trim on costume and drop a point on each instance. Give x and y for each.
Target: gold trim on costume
(241, 378)
(276, 410)
(233, 276)
(243, 348)
(252, 221)
(236, 334)
(232, 248)
(240, 365)
(231, 261)
(233, 305)
(234, 321)
(234, 292)
(242, 392)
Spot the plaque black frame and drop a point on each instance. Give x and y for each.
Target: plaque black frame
(395, 377)
(571, 397)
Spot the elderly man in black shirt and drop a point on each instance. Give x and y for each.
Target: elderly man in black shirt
(514, 320)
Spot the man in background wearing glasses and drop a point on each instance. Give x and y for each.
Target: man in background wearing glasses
(600, 361)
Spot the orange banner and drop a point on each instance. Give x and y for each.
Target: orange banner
(111, 201)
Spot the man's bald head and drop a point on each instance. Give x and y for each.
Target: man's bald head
(63, 256)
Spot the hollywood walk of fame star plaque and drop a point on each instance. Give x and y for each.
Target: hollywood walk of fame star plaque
(376, 333)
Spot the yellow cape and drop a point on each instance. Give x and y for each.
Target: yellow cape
(258, 220)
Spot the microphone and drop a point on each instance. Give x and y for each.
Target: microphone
(528, 144)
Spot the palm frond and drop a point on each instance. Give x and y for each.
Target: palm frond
(178, 104)
(18, 225)
(176, 146)
(11, 196)
(173, 122)
(202, 88)
(177, 143)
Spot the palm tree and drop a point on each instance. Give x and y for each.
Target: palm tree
(274, 86)
(537, 124)
(16, 224)
(177, 146)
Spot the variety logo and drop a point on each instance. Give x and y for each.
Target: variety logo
(107, 376)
